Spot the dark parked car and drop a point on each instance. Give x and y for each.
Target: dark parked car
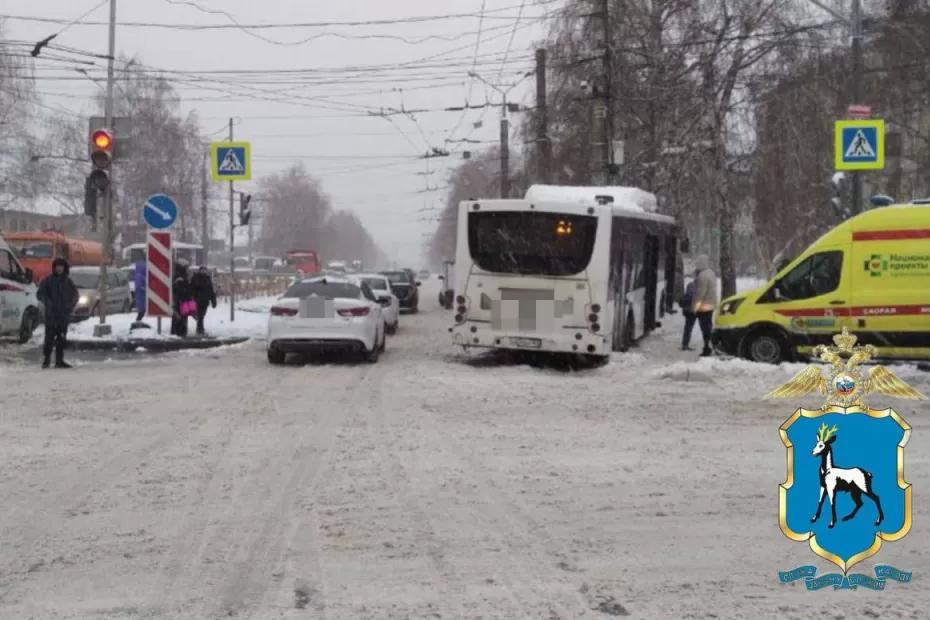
(404, 284)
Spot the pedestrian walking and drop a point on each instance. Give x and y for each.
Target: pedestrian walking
(705, 300)
(686, 302)
(184, 305)
(204, 295)
(59, 296)
(139, 277)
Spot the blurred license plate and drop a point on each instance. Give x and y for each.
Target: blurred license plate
(528, 343)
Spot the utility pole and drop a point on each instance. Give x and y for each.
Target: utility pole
(204, 218)
(250, 241)
(102, 329)
(232, 242)
(600, 111)
(505, 151)
(543, 144)
(854, 22)
(857, 71)
(505, 133)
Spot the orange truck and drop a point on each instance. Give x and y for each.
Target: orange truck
(37, 250)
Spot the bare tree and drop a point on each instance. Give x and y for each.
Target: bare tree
(297, 214)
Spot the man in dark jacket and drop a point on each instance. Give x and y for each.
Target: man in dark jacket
(204, 295)
(59, 296)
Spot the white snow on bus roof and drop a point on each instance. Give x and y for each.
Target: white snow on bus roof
(626, 198)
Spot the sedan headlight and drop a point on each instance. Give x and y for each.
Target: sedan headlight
(731, 305)
(83, 300)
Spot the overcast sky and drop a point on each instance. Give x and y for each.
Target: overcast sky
(367, 164)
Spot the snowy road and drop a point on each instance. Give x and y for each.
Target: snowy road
(431, 485)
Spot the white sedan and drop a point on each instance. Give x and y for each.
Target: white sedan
(326, 313)
(381, 287)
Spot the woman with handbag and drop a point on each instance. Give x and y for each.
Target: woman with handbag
(184, 304)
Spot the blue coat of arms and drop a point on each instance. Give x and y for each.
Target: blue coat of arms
(845, 492)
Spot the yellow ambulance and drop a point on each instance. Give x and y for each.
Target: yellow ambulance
(870, 274)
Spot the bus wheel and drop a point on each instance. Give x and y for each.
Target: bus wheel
(628, 333)
(766, 347)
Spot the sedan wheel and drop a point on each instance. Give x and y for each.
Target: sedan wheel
(276, 357)
(372, 356)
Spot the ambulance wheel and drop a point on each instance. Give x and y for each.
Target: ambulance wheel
(30, 321)
(766, 346)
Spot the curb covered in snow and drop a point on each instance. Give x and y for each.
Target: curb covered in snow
(152, 345)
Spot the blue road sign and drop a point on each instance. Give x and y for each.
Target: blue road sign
(860, 145)
(160, 211)
(230, 161)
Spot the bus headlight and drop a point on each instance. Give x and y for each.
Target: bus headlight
(730, 306)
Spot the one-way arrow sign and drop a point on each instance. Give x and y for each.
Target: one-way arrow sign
(160, 211)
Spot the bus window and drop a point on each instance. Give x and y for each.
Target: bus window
(531, 243)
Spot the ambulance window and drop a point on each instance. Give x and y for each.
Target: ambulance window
(6, 264)
(818, 275)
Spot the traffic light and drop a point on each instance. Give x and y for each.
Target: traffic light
(101, 156)
(90, 197)
(838, 183)
(245, 211)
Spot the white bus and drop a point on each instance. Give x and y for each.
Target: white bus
(575, 276)
(190, 252)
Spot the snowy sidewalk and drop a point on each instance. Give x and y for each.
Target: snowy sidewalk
(251, 322)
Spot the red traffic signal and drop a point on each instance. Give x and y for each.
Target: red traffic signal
(101, 148)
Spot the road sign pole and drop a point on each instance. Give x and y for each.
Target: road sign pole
(232, 242)
(857, 91)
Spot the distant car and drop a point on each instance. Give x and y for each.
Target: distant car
(404, 285)
(87, 281)
(381, 287)
(423, 275)
(326, 313)
(130, 273)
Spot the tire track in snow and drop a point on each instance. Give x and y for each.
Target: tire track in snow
(381, 436)
(248, 585)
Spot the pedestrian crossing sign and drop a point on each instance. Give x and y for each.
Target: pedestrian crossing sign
(860, 144)
(231, 161)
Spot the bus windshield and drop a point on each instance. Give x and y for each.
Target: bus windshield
(32, 249)
(531, 243)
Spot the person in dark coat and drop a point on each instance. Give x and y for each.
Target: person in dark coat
(59, 296)
(181, 291)
(204, 295)
(140, 281)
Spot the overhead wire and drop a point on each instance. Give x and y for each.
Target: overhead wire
(492, 14)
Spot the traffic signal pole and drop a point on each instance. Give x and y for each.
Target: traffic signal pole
(232, 242)
(101, 330)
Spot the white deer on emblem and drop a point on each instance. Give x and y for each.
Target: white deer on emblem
(855, 481)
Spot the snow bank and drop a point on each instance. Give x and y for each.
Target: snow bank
(631, 198)
(251, 322)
